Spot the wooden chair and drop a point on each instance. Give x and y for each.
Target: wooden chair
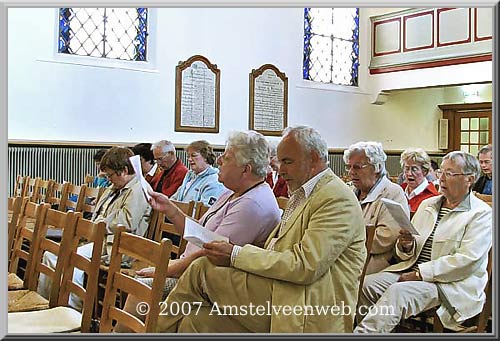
(199, 210)
(42, 190)
(14, 210)
(21, 186)
(28, 300)
(147, 251)
(88, 180)
(87, 200)
(63, 319)
(487, 198)
(32, 188)
(54, 197)
(21, 256)
(153, 221)
(370, 234)
(69, 194)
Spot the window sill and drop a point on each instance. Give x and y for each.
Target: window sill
(100, 63)
(331, 87)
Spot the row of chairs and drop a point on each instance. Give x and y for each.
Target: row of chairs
(31, 313)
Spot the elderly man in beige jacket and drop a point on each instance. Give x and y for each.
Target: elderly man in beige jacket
(304, 280)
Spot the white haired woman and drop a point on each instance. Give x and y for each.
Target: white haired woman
(365, 164)
(416, 165)
(246, 213)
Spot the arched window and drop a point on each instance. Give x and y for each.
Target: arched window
(115, 33)
(331, 45)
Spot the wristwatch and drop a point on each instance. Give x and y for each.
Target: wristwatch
(417, 274)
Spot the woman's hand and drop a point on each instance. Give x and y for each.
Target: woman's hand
(146, 272)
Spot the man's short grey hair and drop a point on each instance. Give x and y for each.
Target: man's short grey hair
(485, 149)
(470, 165)
(310, 139)
(417, 155)
(250, 148)
(373, 151)
(164, 145)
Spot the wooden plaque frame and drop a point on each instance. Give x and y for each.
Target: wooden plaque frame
(182, 66)
(253, 76)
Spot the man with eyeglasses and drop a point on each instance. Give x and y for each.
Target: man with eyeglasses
(484, 184)
(173, 170)
(445, 266)
(365, 166)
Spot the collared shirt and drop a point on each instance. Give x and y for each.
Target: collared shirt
(420, 188)
(296, 199)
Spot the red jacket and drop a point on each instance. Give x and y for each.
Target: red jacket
(172, 179)
(428, 192)
(280, 189)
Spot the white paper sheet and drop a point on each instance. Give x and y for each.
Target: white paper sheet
(198, 235)
(136, 163)
(398, 213)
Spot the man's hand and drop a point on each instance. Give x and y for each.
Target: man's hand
(219, 252)
(146, 272)
(409, 276)
(405, 240)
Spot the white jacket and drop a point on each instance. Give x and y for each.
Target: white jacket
(459, 255)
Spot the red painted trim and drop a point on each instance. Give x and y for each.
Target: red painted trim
(374, 37)
(405, 49)
(425, 65)
(468, 40)
(476, 38)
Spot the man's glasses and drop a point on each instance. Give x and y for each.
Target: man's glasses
(160, 159)
(448, 174)
(356, 167)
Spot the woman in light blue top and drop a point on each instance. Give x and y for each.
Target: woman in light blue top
(201, 183)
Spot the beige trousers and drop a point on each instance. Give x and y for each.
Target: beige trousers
(384, 301)
(219, 299)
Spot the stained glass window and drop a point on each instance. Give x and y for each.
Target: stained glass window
(116, 33)
(331, 45)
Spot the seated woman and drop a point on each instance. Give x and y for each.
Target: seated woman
(122, 203)
(273, 178)
(445, 266)
(416, 164)
(201, 182)
(149, 167)
(365, 164)
(246, 213)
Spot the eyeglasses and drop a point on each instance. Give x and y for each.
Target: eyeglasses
(160, 159)
(356, 167)
(108, 176)
(448, 174)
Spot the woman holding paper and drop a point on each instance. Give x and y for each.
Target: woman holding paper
(416, 165)
(245, 214)
(365, 164)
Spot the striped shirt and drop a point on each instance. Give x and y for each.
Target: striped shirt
(425, 255)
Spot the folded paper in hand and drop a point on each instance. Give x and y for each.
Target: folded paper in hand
(136, 164)
(397, 212)
(198, 235)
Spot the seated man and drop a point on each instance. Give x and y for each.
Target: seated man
(484, 184)
(313, 258)
(246, 213)
(149, 167)
(365, 164)
(443, 266)
(121, 203)
(173, 170)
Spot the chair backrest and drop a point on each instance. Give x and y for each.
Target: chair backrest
(23, 239)
(199, 210)
(370, 234)
(43, 191)
(32, 188)
(54, 196)
(87, 199)
(88, 180)
(89, 231)
(153, 223)
(21, 186)
(14, 210)
(69, 197)
(147, 251)
(487, 198)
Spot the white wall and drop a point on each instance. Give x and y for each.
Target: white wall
(67, 102)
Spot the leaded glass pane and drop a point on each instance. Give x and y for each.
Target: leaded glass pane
(474, 123)
(331, 46)
(474, 137)
(464, 138)
(483, 123)
(464, 147)
(118, 33)
(474, 149)
(483, 137)
(464, 124)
